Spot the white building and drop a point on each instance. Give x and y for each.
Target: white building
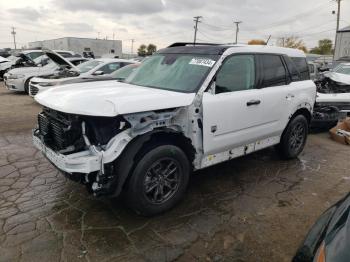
(100, 47)
(342, 46)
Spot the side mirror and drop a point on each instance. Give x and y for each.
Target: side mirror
(98, 73)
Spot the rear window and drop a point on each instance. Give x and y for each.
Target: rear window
(293, 71)
(302, 66)
(274, 72)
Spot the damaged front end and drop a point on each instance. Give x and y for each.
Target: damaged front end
(85, 148)
(82, 146)
(332, 103)
(331, 86)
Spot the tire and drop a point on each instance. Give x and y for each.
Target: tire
(164, 168)
(26, 86)
(294, 138)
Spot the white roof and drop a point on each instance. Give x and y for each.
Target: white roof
(291, 52)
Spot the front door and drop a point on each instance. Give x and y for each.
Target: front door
(246, 106)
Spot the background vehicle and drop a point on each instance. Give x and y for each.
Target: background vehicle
(333, 97)
(4, 53)
(93, 69)
(328, 239)
(28, 58)
(185, 108)
(119, 75)
(313, 69)
(18, 79)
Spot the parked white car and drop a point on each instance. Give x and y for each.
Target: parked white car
(27, 58)
(185, 108)
(97, 69)
(119, 75)
(3, 60)
(18, 79)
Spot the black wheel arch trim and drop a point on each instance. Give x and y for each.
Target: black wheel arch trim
(126, 161)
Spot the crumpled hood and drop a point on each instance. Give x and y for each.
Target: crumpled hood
(341, 78)
(110, 98)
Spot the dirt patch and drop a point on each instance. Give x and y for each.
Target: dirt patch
(18, 111)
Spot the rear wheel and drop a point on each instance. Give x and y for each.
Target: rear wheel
(158, 181)
(294, 137)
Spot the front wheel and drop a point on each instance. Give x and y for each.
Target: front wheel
(158, 181)
(294, 137)
(26, 86)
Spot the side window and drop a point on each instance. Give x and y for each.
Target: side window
(293, 71)
(236, 74)
(34, 55)
(302, 67)
(109, 68)
(273, 70)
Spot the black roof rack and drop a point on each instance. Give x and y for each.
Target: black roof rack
(190, 43)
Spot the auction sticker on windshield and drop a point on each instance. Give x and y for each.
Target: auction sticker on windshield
(202, 62)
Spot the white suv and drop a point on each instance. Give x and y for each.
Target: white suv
(185, 108)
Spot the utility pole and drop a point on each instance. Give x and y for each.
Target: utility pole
(14, 37)
(338, 13)
(237, 29)
(196, 21)
(337, 29)
(132, 46)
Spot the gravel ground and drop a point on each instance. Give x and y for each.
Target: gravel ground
(256, 208)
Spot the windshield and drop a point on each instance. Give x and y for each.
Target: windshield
(87, 66)
(124, 72)
(50, 65)
(342, 69)
(175, 72)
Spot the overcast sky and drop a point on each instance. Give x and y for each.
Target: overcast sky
(165, 21)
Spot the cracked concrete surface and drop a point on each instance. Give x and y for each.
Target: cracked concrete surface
(256, 208)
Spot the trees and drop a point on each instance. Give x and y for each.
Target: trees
(325, 47)
(256, 42)
(144, 50)
(141, 51)
(151, 48)
(292, 42)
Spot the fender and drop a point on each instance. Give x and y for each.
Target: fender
(126, 161)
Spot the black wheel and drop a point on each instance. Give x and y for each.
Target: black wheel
(158, 181)
(294, 137)
(26, 86)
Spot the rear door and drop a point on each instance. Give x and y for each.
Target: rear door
(248, 103)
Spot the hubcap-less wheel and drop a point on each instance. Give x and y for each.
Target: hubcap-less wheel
(297, 137)
(162, 180)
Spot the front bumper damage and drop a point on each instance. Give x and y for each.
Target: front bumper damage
(87, 162)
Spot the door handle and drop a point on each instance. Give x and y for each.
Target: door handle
(253, 102)
(213, 129)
